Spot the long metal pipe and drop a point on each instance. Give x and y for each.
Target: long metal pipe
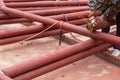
(47, 3)
(59, 10)
(50, 67)
(69, 16)
(22, 37)
(77, 29)
(44, 8)
(72, 16)
(18, 0)
(49, 12)
(22, 31)
(22, 20)
(39, 61)
(4, 77)
(32, 29)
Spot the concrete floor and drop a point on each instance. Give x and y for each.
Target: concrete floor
(90, 68)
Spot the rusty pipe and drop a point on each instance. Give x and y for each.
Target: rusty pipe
(47, 3)
(80, 30)
(50, 67)
(39, 61)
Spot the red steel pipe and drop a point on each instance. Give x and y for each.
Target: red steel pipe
(4, 33)
(79, 21)
(36, 8)
(59, 10)
(39, 61)
(24, 30)
(18, 0)
(69, 16)
(80, 30)
(51, 12)
(4, 77)
(2, 4)
(45, 8)
(50, 67)
(47, 3)
(33, 29)
(22, 37)
(22, 20)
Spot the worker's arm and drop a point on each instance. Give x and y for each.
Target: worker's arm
(112, 11)
(97, 5)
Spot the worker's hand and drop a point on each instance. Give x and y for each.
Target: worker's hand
(92, 13)
(102, 20)
(92, 23)
(106, 19)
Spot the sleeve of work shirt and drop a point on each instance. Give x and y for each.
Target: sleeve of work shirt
(92, 5)
(112, 10)
(95, 5)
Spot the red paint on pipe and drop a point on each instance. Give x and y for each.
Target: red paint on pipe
(70, 16)
(4, 77)
(73, 28)
(47, 3)
(21, 20)
(55, 65)
(28, 30)
(17, 0)
(37, 28)
(22, 37)
(39, 61)
(45, 8)
(24, 30)
(79, 21)
(49, 12)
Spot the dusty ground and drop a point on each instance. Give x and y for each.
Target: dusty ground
(91, 68)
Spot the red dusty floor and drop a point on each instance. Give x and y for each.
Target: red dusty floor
(91, 68)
